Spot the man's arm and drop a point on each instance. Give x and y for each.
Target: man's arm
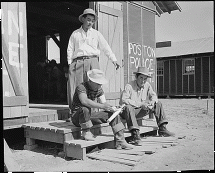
(152, 95)
(126, 97)
(70, 49)
(89, 103)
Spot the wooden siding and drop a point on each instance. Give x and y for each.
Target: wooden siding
(15, 64)
(198, 73)
(191, 84)
(185, 84)
(172, 78)
(179, 76)
(160, 85)
(166, 77)
(205, 74)
(212, 73)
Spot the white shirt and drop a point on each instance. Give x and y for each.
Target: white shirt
(88, 43)
(133, 95)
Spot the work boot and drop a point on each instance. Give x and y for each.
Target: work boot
(121, 142)
(162, 131)
(69, 119)
(136, 140)
(87, 135)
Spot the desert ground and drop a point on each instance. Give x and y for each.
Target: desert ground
(189, 118)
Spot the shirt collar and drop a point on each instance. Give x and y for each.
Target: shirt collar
(87, 31)
(137, 87)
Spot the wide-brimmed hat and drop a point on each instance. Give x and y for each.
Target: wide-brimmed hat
(88, 11)
(97, 76)
(144, 71)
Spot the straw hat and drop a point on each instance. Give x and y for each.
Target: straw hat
(88, 11)
(97, 76)
(144, 71)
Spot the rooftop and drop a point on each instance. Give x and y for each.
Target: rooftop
(202, 45)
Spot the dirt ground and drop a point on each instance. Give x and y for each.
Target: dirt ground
(188, 118)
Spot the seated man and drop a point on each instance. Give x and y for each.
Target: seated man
(85, 99)
(140, 98)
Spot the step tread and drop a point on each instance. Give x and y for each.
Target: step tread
(106, 137)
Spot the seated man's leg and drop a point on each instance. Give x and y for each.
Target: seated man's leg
(129, 114)
(117, 128)
(81, 118)
(161, 120)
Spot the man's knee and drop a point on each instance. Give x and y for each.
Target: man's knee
(159, 104)
(128, 108)
(85, 110)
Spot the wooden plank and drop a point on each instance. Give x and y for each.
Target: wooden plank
(14, 101)
(24, 58)
(46, 136)
(12, 71)
(75, 151)
(109, 10)
(14, 122)
(111, 159)
(114, 154)
(160, 139)
(9, 161)
(6, 112)
(137, 150)
(98, 140)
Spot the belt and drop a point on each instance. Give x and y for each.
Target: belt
(84, 57)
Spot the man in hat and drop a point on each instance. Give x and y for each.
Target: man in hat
(83, 51)
(140, 98)
(84, 100)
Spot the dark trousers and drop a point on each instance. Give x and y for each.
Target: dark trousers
(130, 114)
(85, 118)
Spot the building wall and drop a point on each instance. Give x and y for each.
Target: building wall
(175, 82)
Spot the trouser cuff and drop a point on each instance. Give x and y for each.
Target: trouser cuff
(133, 127)
(86, 125)
(161, 122)
(116, 128)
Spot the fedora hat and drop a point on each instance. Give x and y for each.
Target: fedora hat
(88, 11)
(144, 71)
(97, 76)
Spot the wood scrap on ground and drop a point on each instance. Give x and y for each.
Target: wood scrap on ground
(135, 155)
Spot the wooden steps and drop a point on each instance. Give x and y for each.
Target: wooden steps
(77, 148)
(66, 133)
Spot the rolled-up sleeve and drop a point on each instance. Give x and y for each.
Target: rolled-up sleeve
(103, 45)
(70, 49)
(126, 97)
(152, 94)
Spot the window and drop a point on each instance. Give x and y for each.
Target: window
(160, 68)
(189, 66)
(53, 49)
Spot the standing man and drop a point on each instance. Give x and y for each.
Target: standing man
(140, 98)
(83, 51)
(85, 98)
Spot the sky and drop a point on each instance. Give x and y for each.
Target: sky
(194, 21)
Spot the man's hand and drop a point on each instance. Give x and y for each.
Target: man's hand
(145, 105)
(108, 107)
(116, 65)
